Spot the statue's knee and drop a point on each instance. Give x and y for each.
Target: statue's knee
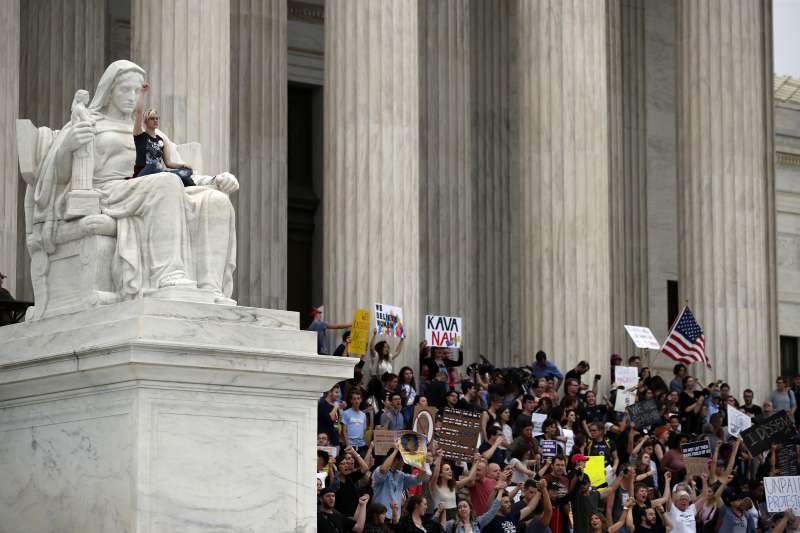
(169, 185)
(219, 201)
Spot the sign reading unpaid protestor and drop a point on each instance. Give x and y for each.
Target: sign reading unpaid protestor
(698, 448)
(389, 320)
(645, 413)
(424, 421)
(443, 331)
(777, 428)
(642, 337)
(737, 421)
(359, 333)
(458, 433)
(782, 493)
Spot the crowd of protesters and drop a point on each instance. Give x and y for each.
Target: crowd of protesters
(509, 486)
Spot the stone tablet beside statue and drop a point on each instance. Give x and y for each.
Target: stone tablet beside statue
(110, 238)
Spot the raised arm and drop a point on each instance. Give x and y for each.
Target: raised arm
(387, 463)
(361, 514)
(732, 458)
(487, 517)
(437, 468)
(547, 513)
(667, 495)
(138, 123)
(399, 347)
(626, 511)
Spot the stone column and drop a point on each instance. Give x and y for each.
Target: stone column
(448, 244)
(9, 180)
(726, 187)
(564, 147)
(496, 180)
(258, 149)
(371, 200)
(185, 49)
(62, 49)
(627, 171)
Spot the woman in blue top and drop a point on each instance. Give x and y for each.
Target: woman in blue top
(466, 522)
(152, 146)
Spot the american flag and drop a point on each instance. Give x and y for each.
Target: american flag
(686, 343)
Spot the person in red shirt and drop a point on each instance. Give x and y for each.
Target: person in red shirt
(480, 487)
(559, 487)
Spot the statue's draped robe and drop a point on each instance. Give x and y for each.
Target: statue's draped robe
(165, 232)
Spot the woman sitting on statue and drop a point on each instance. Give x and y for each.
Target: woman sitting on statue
(152, 150)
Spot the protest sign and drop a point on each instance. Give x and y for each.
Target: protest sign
(321, 477)
(737, 421)
(624, 399)
(786, 460)
(698, 448)
(645, 413)
(359, 332)
(389, 320)
(413, 448)
(696, 466)
(596, 470)
(627, 376)
(458, 433)
(642, 337)
(383, 441)
(538, 419)
(777, 428)
(549, 448)
(782, 493)
(423, 421)
(443, 331)
(333, 451)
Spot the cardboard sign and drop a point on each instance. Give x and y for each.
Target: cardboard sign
(383, 441)
(645, 413)
(699, 448)
(696, 466)
(624, 399)
(737, 421)
(333, 451)
(359, 332)
(596, 470)
(549, 448)
(413, 448)
(538, 419)
(786, 460)
(782, 493)
(458, 433)
(443, 331)
(389, 320)
(777, 428)
(424, 421)
(642, 337)
(627, 376)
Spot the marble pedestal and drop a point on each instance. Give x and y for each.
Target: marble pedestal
(155, 416)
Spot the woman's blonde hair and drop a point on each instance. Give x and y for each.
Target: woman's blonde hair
(150, 113)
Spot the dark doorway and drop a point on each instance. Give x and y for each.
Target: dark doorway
(304, 169)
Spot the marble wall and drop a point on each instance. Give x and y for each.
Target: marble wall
(787, 202)
(9, 180)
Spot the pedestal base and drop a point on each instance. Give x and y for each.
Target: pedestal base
(81, 203)
(153, 416)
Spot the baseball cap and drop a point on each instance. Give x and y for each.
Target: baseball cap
(576, 458)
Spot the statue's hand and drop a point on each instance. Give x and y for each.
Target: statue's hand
(80, 134)
(226, 182)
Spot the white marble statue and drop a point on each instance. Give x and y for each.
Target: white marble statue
(160, 239)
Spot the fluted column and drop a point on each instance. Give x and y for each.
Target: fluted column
(258, 149)
(726, 186)
(564, 180)
(446, 194)
(9, 180)
(627, 171)
(62, 49)
(496, 181)
(371, 201)
(185, 49)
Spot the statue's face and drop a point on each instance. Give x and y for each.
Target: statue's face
(125, 92)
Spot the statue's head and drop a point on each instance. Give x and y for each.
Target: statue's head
(118, 88)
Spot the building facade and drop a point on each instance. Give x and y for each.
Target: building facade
(548, 170)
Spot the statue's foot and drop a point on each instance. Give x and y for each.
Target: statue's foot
(221, 299)
(177, 281)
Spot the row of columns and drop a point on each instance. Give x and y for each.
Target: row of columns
(481, 159)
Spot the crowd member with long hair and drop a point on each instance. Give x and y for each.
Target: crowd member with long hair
(467, 522)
